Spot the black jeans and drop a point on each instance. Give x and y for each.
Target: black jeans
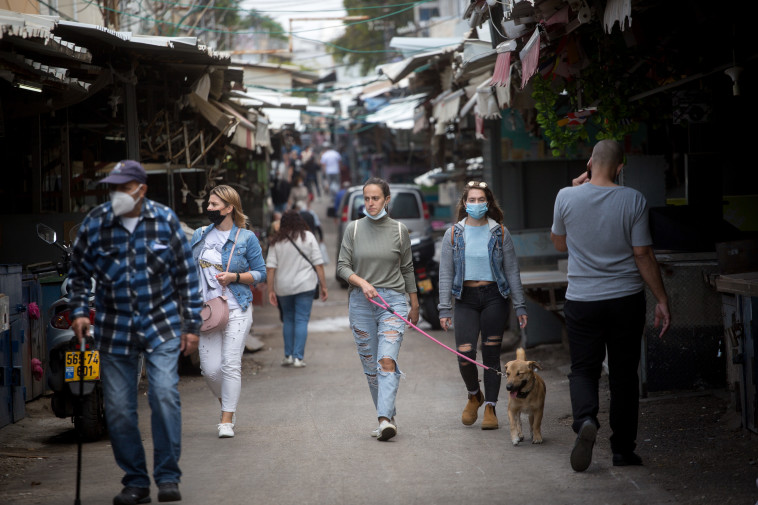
(481, 310)
(614, 325)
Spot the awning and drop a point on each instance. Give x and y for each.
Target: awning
(446, 107)
(400, 69)
(398, 114)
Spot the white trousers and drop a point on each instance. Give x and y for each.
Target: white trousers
(221, 357)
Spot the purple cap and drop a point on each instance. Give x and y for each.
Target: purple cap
(126, 171)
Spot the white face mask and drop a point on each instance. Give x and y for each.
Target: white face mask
(122, 202)
(380, 215)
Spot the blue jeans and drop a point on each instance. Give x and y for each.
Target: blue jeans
(119, 373)
(368, 322)
(296, 311)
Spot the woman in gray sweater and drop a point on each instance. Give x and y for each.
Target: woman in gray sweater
(375, 259)
(478, 266)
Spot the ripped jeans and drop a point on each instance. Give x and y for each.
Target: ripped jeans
(481, 310)
(378, 334)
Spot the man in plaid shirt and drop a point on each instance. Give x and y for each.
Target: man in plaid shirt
(147, 300)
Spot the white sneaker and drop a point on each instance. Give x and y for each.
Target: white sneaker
(287, 361)
(225, 430)
(375, 433)
(298, 363)
(387, 430)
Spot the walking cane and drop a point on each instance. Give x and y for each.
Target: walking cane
(77, 500)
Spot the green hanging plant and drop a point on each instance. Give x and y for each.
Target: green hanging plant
(606, 83)
(562, 139)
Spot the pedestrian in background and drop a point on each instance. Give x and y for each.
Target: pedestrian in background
(375, 259)
(479, 268)
(224, 242)
(295, 270)
(331, 161)
(298, 194)
(604, 228)
(312, 170)
(147, 302)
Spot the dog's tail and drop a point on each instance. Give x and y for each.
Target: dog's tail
(520, 354)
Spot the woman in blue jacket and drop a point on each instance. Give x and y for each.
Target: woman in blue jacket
(478, 266)
(221, 350)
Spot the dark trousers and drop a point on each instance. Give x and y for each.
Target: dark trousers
(481, 310)
(614, 325)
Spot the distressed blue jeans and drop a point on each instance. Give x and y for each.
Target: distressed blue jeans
(378, 334)
(119, 373)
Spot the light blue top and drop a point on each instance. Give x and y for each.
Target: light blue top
(503, 264)
(477, 255)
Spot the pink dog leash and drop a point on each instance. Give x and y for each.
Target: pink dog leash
(387, 307)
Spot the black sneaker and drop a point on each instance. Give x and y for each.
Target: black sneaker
(626, 459)
(169, 491)
(581, 455)
(132, 496)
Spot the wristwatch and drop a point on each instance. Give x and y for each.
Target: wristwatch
(238, 276)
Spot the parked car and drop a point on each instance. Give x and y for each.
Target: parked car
(407, 205)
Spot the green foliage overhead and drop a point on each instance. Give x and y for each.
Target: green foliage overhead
(262, 23)
(366, 43)
(607, 81)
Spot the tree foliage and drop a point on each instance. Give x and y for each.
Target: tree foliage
(367, 43)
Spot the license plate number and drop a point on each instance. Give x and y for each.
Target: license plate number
(91, 366)
(424, 286)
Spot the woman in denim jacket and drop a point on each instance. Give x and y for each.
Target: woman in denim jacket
(221, 350)
(479, 268)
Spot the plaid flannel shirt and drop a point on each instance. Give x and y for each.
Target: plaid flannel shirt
(147, 289)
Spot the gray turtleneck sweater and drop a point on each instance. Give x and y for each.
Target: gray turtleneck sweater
(379, 252)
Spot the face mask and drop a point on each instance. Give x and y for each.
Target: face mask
(214, 216)
(476, 210)
(122, 202)
(378, 216)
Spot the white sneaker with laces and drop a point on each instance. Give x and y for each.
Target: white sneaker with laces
(387, 430)
(287, 361)
(375, 433)
(225, 430)
(298, 363)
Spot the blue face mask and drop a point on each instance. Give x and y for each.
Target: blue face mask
(378, 216)
(476, 210)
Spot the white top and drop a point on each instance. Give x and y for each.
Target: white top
(210, 265)
(331, 160)
(293, 272)
(130, 223)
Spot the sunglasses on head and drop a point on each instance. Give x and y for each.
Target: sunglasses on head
(474, 184)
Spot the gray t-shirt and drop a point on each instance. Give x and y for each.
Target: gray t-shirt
(601, 225)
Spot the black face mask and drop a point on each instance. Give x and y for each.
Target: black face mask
(214, 216)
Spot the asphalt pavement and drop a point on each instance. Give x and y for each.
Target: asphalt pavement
(303, 435)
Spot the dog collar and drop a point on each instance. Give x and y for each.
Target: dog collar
(523, 394)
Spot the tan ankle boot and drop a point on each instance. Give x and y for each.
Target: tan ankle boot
(490, 418)
(470, 412)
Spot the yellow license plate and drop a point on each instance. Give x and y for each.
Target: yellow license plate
(424, 286)
(91, 366)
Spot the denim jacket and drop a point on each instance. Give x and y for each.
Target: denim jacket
(503, 262)
(248, 257)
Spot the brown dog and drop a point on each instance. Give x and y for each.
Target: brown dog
(527, 395)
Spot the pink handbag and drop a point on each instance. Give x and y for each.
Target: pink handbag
(215, 312)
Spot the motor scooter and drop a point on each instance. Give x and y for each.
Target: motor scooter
(426, 270)
(64, 353)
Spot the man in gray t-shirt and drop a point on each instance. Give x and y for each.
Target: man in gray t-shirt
(604, 228)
